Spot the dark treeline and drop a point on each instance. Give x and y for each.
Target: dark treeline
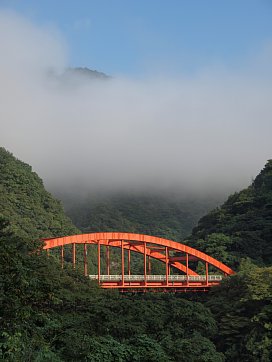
(49, 314)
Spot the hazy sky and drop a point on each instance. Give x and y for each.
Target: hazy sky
(189, 105)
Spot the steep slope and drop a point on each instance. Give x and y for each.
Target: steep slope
(30, 209)
(242, 226)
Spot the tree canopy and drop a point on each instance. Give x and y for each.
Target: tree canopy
(241, 227)
(53, 314)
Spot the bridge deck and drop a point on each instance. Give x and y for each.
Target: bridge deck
(171, 278)
(157, 281)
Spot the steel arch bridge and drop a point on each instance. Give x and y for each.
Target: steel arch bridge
(179, 259)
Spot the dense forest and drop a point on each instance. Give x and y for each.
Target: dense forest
(170, 216)
(50, 314)
(30, 209)
(242, 226)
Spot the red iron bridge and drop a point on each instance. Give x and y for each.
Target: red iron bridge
(180, 262)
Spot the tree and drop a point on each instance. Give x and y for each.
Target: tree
(242, 307)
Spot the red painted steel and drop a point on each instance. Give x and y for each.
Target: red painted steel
(62, 256)
(145, 264)
(122, 262)
(128, 261)
(85, 260)
(149, 265)
(108, 259)
(187, 267)
(166, 264)
(150, 247)
(98, 260)
(74, 255)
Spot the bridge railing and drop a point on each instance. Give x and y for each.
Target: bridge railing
(150, 278)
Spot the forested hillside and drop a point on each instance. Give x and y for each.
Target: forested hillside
(50, 314)
(30, 209)
(239, 233)
(163, 215)
(242, 226)
(47, 314)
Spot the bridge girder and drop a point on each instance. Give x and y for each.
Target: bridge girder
(110, 237)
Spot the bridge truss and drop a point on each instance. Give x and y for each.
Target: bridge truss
(179, 259)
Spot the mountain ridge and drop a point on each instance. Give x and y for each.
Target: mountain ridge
(31, 210)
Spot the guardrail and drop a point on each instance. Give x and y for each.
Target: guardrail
(155, 278)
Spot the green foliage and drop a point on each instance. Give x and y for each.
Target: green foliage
(153, 214)
(216, 245)
(22, 288)
(167, 216)
(242, 226)
(242, 307)
(197, 349)
(48, 314)
(31, 210)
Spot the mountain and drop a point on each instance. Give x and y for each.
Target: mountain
(85, 73)
(31, 210)
(71, 78)
(242, 226)
(162, 215)
(50, 314)
(53, 314)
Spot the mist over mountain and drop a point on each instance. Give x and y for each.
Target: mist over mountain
(84, 73)
(209, 131)
(163, 215)
(72, 78)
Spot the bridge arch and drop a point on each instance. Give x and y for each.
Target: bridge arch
(149, 246)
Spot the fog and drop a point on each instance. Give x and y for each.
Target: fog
(207, 131)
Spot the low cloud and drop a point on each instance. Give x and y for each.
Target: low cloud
(204, 132)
